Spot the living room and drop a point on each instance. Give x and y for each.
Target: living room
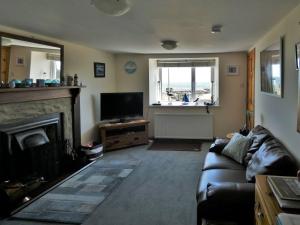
(136, 37)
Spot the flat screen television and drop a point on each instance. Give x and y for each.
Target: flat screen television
(121, 106)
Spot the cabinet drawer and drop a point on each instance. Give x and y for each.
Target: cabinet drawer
(115, 142)
(260, 213)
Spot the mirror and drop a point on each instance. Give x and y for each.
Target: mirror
(26, 58)
(271, 69)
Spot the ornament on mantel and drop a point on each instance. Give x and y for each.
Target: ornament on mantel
(75, 80)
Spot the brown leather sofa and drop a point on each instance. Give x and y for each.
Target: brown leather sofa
(226, 188)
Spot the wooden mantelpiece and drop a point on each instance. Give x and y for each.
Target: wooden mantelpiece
(13, 95)
(18, 95)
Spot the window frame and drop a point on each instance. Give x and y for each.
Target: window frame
(155, 96)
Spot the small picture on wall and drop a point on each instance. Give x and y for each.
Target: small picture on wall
(232, 70)
(99, 69)
(297, 48)
(20, 61)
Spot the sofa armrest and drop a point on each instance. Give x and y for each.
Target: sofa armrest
(218, 145)
(227, 200)
(231, 193)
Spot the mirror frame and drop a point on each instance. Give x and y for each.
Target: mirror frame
(29, 39)
(281, 55)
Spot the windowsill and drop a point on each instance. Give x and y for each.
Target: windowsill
(183, 105)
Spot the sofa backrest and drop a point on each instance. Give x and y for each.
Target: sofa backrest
(271, 158)
(258, 135)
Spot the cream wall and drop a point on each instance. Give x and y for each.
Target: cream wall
(280, 114)
(228, 117)
(79, 59)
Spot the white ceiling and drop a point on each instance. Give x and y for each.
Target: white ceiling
(150, 21)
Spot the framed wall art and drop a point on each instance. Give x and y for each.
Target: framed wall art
(99, 69)
(20, 61)
(232, 70)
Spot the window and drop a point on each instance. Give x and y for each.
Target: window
(55, 69)
(172, 80)
(44, 65)
(175, 81)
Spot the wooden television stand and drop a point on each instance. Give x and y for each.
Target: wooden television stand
(122, 135)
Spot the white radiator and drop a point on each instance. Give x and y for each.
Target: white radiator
(184, 126)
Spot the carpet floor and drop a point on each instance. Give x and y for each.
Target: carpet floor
(161, 191)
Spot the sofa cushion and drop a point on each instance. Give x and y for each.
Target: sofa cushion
(219, 175)
(272, 158)
(218, 161)
(237, 147)
(218, 145)
(258, 135)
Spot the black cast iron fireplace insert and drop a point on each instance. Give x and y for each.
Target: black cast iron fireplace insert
(31, 155)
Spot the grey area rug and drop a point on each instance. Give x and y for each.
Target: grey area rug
(175, 145)
(75, 199)
(160, 191)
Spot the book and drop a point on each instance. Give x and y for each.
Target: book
(287, 187)
(286, 190)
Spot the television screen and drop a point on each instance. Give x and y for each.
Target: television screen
(121, 105)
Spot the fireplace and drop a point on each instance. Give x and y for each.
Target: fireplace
(31, 155)
(31, 147)
(39, 136)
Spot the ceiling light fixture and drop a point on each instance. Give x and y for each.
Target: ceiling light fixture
(169, 44)
(112, 7)
(216, 28)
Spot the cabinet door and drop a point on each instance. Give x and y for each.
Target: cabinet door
(260, 218)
